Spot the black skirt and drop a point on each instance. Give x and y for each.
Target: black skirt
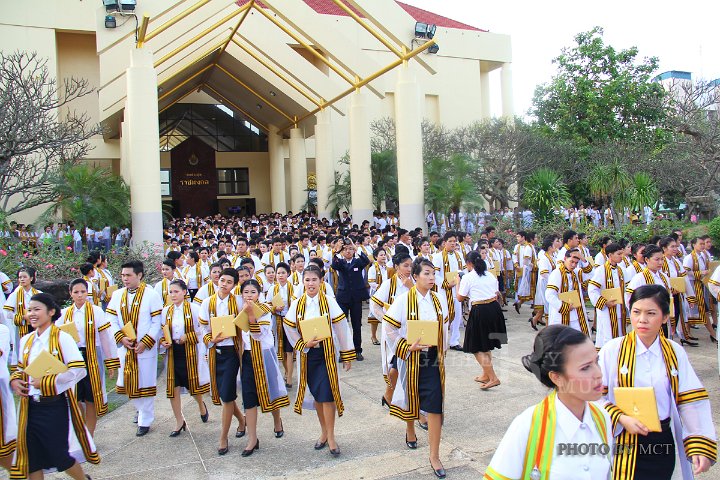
(180, 366)
(429, 383)
(47, 435)
(83, 389)
(485, 328)
(656, 454)
(247, 379)
(227, 365)
(317, 375)
(287, 346)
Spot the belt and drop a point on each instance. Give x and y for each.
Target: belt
(484, 302)
(224, 348)
(48, 399)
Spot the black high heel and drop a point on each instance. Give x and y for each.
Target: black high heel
(247, 453)
(175, 433)
(281, 432)
(412, 445)
(684, 342)
(440, 472)
(384, 402)
(205, 417)
(532, 325)
(224, 450)
(713, 339)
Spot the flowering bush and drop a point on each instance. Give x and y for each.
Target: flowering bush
(58, 263)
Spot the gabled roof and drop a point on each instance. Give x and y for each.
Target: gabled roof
(328, 7)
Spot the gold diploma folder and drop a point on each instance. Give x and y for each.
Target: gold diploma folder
(678, 284)
(277, 301)
(613, 294)
(318, 328)
(129, 331)
(711, 269)
(224, 325)
(45, 364)
(166, 333)
(424, 330)
(572, 297)
(71, 329)
(103, 284)
(109, 292)
(243, 322)
(451, 276)
(639, 403)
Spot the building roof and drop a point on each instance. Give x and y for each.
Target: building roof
(328, 7)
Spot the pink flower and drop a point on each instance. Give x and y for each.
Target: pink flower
(49, 265)
(3, 253)
(145, 255)
(25, 255)
(69, 249)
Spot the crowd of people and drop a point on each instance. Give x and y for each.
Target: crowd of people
(66, 235)
(253, 308)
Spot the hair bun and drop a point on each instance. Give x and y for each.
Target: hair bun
(530, 364)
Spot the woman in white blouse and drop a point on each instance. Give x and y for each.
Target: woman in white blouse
(8, 420)
(565, 360)
(485, 329)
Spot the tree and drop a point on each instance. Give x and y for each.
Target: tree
(543, 191)
(601, 94)
(610, 183)
(339, 197)
(643, 191)
(89, 196)
(35, 142)
(383, 168)
(449, 185)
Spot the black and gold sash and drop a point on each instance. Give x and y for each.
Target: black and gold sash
(191, 362)
(237, 343)
(20, 310)
(279, 320)
(565, 287)
(131, 372)
(448, 289)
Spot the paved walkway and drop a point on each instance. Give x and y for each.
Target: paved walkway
(371, 441)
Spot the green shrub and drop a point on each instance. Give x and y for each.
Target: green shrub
(713, 229)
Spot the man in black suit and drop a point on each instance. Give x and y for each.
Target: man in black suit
(351, 290)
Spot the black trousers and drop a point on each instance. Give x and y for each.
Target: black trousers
(353, 311)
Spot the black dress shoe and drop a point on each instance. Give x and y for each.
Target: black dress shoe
(532, 325)
(359, 357)
(411, 445)
(281, 432)
(239, 433)
(175, 433)
(223, 451)
(384, 402)
(439, 473)
(135, 420)
(205, 417)
(424, 426)
(517, 307)
(457, 348)
(335, 452)
(142, 431)
(690, 337)
(684, 342)
(247, 453)
(320, 445)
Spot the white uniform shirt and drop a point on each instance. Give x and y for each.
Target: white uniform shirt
(478, 287)
(221, 309)
(70, 352)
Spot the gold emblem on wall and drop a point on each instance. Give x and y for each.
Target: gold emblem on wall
(193, 160)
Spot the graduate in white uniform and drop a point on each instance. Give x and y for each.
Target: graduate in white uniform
(6, 284)
(209, 289)
(697, 264)
(446, 261)
(15, 309)
(609, 316)
(485, 329)
(565, 361)
(167, 270)
(51, 430)
(421, 368)
(673, 268)
(637, 262)
(686, 445)
(523, 260)
(98, 348)
(139, 305)
(377, 274)
(282, 286)
(380, 302)
(545, 264)
(651, 274)
(565, 278)
(259, 370)
(276, 254)
(195, 274)
(186, 367)
(318, 382)
(8, 417)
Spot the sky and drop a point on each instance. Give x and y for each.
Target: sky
(683, 36)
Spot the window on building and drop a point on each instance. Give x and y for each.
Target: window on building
(233, 181)
(165, 182)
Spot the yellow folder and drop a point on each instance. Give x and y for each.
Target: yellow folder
(45, 364)
(639, 403)
(224, 325)
(678, 284)
(711, 269)
(451, 276)
(243, 322)
(390, 272)
(317, 328)
(109, 292)
(277, 301)
(424, 330)
(613, 294)
(103, 284)
(129, 331)
(572, 297)
(166, 333)
(71, 329)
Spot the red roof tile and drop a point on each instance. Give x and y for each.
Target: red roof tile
(328, 7)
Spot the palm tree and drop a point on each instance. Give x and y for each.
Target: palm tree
(610, 183)
(544, 191)
(339, 197)
(450, 184)
(436, 185)
(384, 178)
(90, 197)
(643, 191)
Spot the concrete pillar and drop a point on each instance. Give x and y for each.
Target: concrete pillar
(324, 171)
(124, 148)
(298, 170)
(508, 110)
(360, 173)
(277, 171)
(143, 150)
(408, 128)
(484, 94)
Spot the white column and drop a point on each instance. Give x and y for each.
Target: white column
(124, 149)
(324, 170)
(508, 110)
(409, 150)
(298, 170)
(143, 149)
(360, 173)
(277, 171)
(484, 94)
